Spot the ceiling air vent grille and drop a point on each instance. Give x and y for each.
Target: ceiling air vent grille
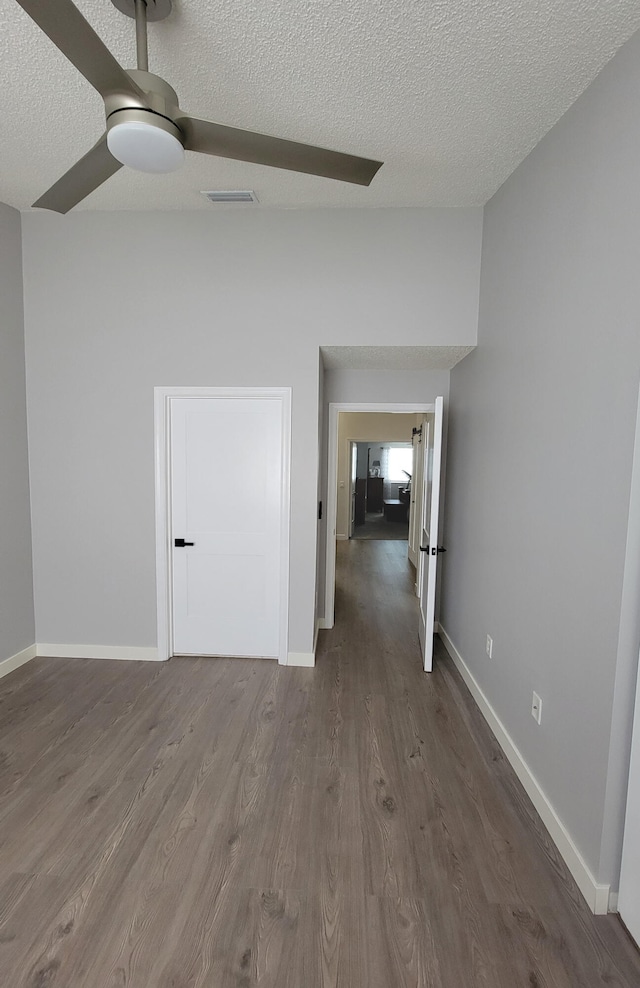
(231, 196)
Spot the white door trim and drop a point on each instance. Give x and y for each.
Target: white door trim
(351, 444)
(332, 482)
(415, 508)
(162, 412)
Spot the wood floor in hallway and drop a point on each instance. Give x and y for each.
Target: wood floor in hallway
(214, 823)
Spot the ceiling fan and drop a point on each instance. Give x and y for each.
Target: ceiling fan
(146, 129)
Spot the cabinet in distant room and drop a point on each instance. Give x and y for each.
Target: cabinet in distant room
(375, 498)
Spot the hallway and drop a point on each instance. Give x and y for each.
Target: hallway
(225, 823)
(457, 879)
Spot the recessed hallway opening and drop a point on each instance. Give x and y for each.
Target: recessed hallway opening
(217, 823)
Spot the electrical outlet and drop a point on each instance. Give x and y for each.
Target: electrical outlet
(536, 708)
(489, 646)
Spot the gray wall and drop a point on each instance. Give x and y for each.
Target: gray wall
(117, 303)
(16, 593)
(391, 386)
(541, 437)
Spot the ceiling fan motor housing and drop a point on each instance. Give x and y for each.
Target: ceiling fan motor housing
(145, 137)
(162, 99)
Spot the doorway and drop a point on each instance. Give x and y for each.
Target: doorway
(222, 521)
(339, 498)
(383, 486)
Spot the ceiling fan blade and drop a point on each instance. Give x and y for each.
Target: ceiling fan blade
(86, 175)
(73, 35)
(244, 145)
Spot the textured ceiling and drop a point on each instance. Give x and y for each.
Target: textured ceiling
(393, 357)
(450, 94)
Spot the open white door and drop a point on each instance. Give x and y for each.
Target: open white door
(428, 562)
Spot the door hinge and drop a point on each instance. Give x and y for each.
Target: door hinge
(319, 510)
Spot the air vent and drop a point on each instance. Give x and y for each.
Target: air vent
(231, 196)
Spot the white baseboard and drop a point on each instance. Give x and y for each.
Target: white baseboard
(342, 538)
(304, 659)
(325, 624)
(596, 895)
(613, 902)
(17, 660)
(133, 652)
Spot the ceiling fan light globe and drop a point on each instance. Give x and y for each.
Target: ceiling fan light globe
(145, 147)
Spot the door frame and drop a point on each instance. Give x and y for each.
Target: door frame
(415, 508)
(352, 443)
(162, 459)
(335, 407)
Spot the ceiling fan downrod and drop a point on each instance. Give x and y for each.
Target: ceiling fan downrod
(142, 48)
(143, 12)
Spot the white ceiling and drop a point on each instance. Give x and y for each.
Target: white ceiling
(450, 94)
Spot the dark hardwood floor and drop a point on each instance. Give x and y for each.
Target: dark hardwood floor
(213, 823)
(376, 526)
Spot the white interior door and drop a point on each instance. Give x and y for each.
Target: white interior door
(629, 898)
(226, 505)
(428, 562)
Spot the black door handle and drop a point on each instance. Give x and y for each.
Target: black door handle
(424, 548)
(180, 543)
(435, 551)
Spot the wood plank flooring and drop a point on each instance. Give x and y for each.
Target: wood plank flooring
(214, 823)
